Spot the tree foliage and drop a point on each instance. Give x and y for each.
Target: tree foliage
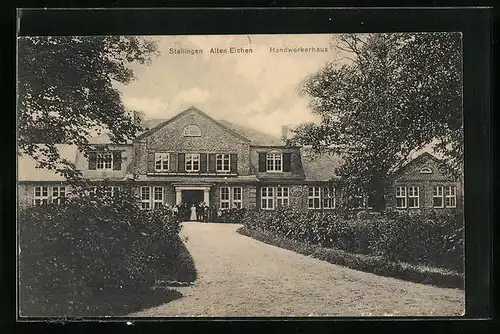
(66, 92)
(392, 95)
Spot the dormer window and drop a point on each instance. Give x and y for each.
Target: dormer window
(192, 131)
(274, 162)
(425, 170)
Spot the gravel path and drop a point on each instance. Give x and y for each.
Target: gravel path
(239, 276)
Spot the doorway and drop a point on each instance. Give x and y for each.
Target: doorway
(191, 197)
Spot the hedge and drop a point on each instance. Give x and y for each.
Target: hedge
(96, 244)
(430, 239)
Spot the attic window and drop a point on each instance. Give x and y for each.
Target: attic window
(425, 170)
(192, 131)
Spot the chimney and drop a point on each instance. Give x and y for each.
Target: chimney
(284, 133)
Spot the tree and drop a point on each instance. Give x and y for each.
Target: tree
(66, 92)
(392, 95)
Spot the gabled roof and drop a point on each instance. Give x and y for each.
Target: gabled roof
(419, 158)
(27, 171)
(320, 167)
(190, 109)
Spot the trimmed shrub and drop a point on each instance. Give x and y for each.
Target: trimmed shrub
(430, 239)
(94, 243)
(234, 215)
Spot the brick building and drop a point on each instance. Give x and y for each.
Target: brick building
(421, 185)
(193, 158)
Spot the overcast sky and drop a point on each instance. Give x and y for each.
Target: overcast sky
(257, 89)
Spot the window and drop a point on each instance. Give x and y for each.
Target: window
(223, 163)
(425, 170)
(314, 198)
(111, 190)
(237, 197)
(162, 161)
(192, 162)
(145, 198)
(41, 195)
(224, 198)
(413, 197)
(274, 162)
(226, 201)
(437, 197)
(58, 194)
(401, 197)
(267, 198)
(282, 196)
(104, 161)
(157, 197)
(328, 197)
(321, 197)
(192, 131)
(450, 196)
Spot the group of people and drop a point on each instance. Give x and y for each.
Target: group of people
(201, 212)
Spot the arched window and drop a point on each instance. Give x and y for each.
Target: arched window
(425, 170)
(192, 131)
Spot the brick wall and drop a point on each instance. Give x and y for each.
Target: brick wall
(214, 139)
(411, 176)
(26, 191)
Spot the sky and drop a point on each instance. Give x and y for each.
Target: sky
(257, 89)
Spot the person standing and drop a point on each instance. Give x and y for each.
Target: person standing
(199, 211)
(175, 212)
(193, 213)
(206, 210)
(185, 211)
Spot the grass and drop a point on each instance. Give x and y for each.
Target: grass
(367, 263)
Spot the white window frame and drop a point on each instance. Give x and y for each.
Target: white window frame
(274, 162)
(192, 158)
(328, 196)
(102, 163)
(438, 192)
(267, 198)
(223, 158)
(158, 202)
(145, 202)
(413, 196)
(225, 197)
(110, 190)
(450, 193)
(162, 162)
(237, 197)
(56, 194)
(425, 170)
(316, 195)
(192, 131)
(43, 195)
(401, 194)
(282, 196)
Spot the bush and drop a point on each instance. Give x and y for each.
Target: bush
(431, 239)
(234, 215)
(93, 243)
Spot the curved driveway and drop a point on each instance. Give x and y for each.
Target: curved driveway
(239, 276)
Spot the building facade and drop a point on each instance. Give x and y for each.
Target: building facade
(192, 158)
(422, 185)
